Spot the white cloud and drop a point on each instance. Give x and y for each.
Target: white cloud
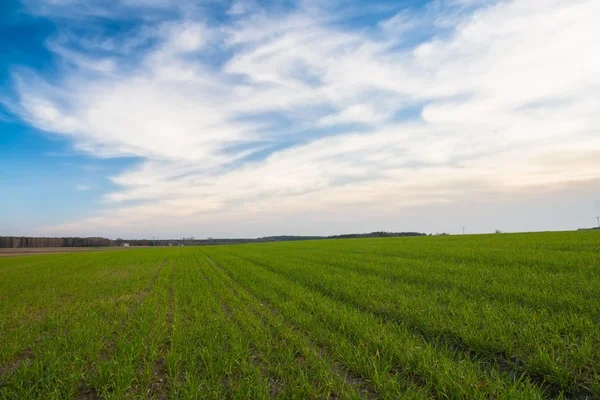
(509, 94)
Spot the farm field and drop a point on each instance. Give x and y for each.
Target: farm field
(504, 316)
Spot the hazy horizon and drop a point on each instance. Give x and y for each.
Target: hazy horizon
(245, 119)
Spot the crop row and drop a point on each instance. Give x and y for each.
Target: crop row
(415, 318)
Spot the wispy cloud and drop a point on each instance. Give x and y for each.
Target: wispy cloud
(82, 187)
(297, 110)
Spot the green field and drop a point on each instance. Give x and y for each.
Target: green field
(490, 316)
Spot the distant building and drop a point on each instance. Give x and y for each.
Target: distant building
(125, 244)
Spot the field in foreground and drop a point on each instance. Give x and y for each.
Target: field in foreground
(497, 316)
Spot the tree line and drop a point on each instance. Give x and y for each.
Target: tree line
(21, 242)
(38, 242)
(375, 234)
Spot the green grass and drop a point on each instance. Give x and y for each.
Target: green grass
(462, 317)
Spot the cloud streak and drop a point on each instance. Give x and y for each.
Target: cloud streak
(289, 111)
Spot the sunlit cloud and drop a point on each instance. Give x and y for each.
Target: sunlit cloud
(295, 110)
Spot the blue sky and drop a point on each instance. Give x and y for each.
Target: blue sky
(166, 118)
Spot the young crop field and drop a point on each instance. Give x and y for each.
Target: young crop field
(507, 316)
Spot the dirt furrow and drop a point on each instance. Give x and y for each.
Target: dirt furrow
(13, 365)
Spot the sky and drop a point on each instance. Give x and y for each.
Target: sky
(165, 118)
